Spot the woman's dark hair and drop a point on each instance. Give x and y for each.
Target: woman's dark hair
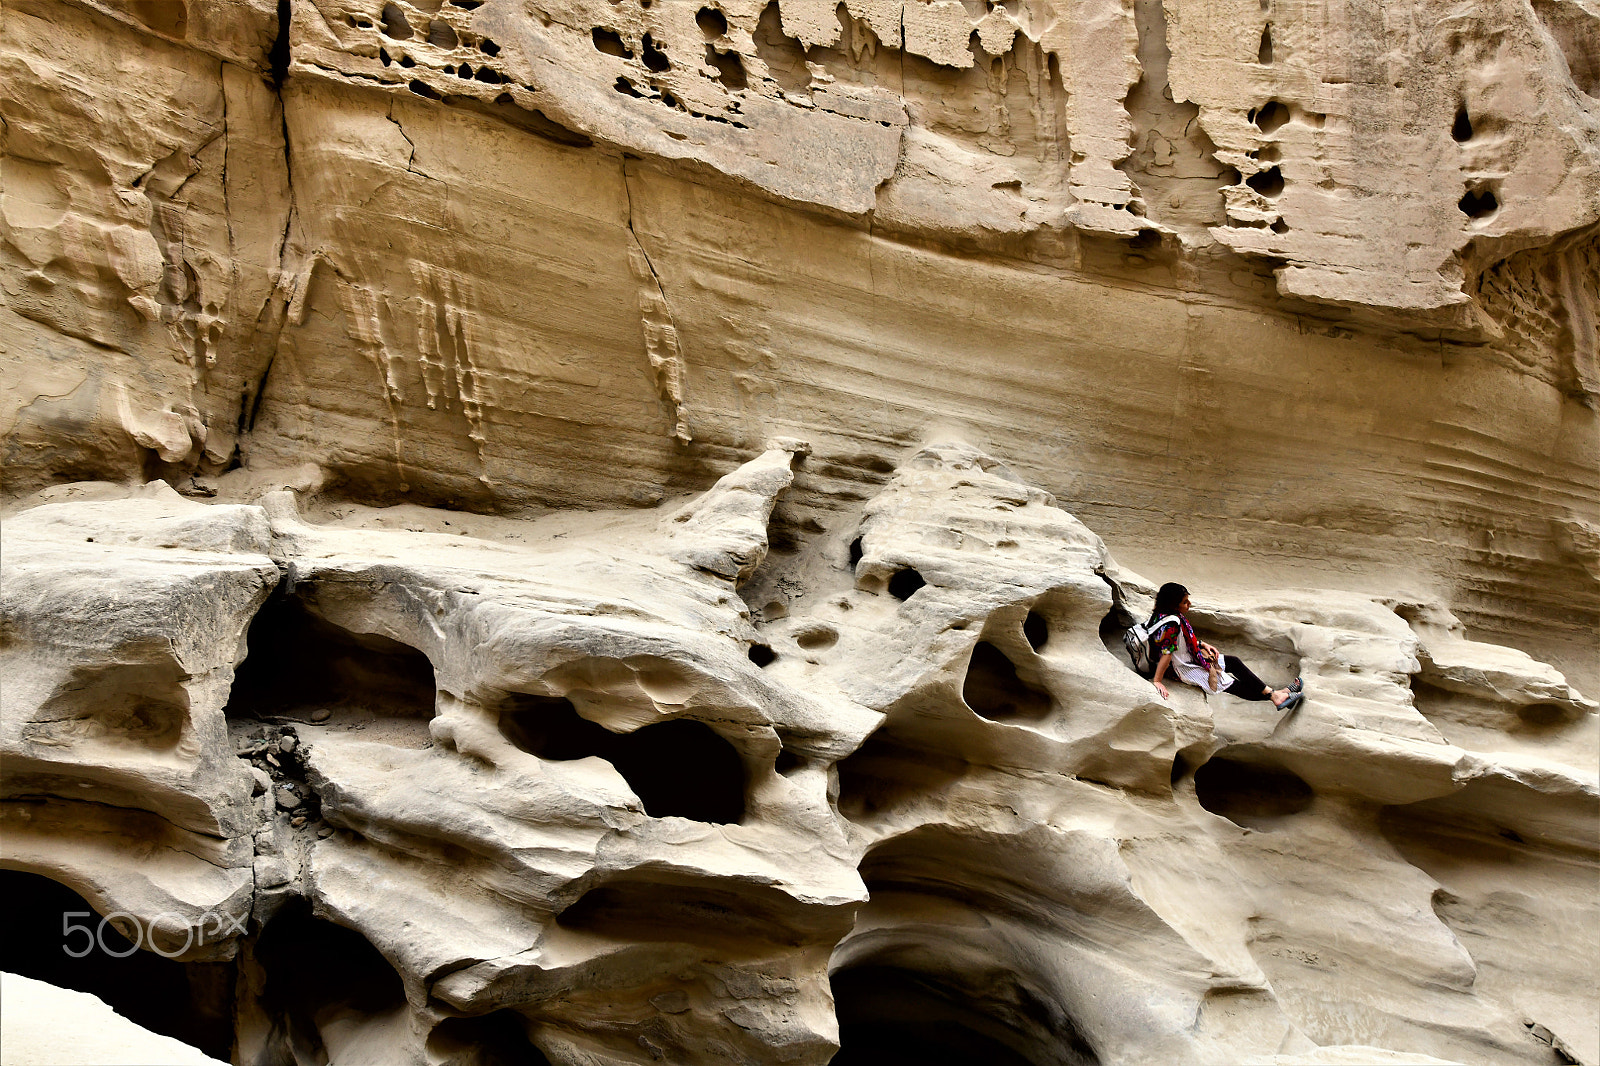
(1168, 598)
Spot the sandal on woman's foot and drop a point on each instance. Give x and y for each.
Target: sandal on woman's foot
(1291, 701)
(1296, 685)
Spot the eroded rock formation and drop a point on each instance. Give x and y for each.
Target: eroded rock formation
(483, 787)
(492, 572)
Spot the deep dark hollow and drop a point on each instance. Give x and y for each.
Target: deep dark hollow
(296, 662)
(1036, 629)
(894, 1017)
(1271, 117)
(993, 689)
(1461, 129)
(855, 552)
(1268, 183)
(1250, 794)
(192, 1001)
(313, 965)
(678, 768)
(712, 23)
(904, 584)
(762, 655)
(1479, 203)
(496, 1039)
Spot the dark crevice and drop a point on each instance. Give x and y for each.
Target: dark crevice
(894, 1016)
(993, 689)
(1479, 202)
(1271, 117)
(1251, 794)
(189, 1001)
(659, 910)
(762, 655)
(905, 583)
(317, 972)
(278, 54)
(496, 1039)
(1461, 129)
(1036, 629)
(679, 768)
(299, 665)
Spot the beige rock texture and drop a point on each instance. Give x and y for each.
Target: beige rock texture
(597, 532)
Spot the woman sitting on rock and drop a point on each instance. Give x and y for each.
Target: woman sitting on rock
(1201, 664)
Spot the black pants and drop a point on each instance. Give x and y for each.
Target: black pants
(1246, 685)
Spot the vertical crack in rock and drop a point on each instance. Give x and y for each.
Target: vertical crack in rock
(660, 334)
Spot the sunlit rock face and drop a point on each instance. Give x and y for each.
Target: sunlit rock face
(596, 532)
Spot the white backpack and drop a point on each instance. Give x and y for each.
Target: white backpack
(1137, 641)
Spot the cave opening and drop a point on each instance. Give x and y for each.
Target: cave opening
(762, 654)
(1271, 117)
(499, 1038)
(60, 939)
(994, 690)
(905, 583)
(1268, 183)
(1036, 629)
(317, 972)
(1479, 203)
(1250, 794)
(299, 665)
(1461, 129)
(895, 1016)
(678, 768)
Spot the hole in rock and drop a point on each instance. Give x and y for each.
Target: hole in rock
(467, 5)
(394, 23)
(625, 87)
(488, 47)
(816, 638)
(1479, 203)
(610, 42)
(442, 35)
(278, 54)
(1280, 226)
(319, 974)
(904, 584)
(783, 55)
(497, 1039)
(787, 762)
(1461, 129)
(677, 768)
(697, 913)
(855, 552)
(654, 58)
(994, 690)
(1036, 629)
(730, 71)
(712, 22)
(1541, 717)
(1250, 794)
(298, 665)
(421, 88)
(137, 705)
(1264, 53)
(762, 655)
(490, 77)
(1271, 117)
(886, 771)
(1268, 183)
(463, 71)
(190, 1001)
(383, 57)
(407, 61)
(890, 1016)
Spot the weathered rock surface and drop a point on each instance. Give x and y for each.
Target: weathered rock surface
(555, 785)
(492, 573)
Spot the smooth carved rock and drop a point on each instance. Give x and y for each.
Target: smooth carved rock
(599, 824)
(560, 620)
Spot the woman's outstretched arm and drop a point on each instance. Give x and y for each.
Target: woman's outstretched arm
(1161, 670)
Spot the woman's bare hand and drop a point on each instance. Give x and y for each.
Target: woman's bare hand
(1161, 689)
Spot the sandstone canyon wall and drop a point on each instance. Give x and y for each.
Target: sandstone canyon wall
(596, 531)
